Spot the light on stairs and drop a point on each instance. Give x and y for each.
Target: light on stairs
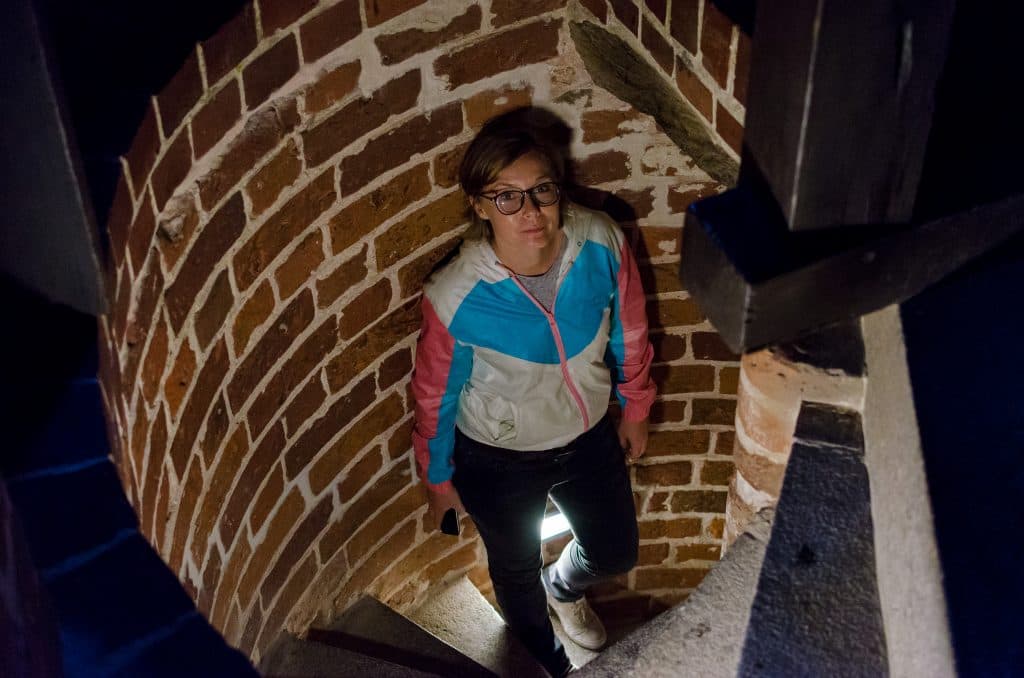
(553, 525)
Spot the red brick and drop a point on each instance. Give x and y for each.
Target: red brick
(151, 287)
(207, 383)
(160, 515)
(233, 42)
(217, 235)
(281, 523)
(140, 237)
(660, 278)
(660, 475)
(396, 366)
(443, 216)
(729, 128)
(652, 554)
(360, 117)
(352, 271)
(253, 624)
(213, 435)
(278, 174)
(657, 503)
(283, 227)
(599, 8)
(412, 276)
(261, 359)
(305, 534)
(172, 168)
(377, 206)
(379, 11)
(716, 36)
(210, 317)
(657, 46)
(219, 114)
(462, 559)
(360, 473)
(211, 575)
(668, 578)
(187, 499)
(400, 441)
(529, 44)
(485, 105)
(383, 416)
(668, 347)
(603, 125)
(275, 14)
(262, 133)
(683, 378)
(674, 313)
(379, 562)
(267, 72)
(155, 361)
(395, 513)
(713, 411)
(289, 595)
(688, 442)
(142, 153)
(140, 434)
(226, 590)
(372, 497)
(724, 442)
(397, 47)
(658, 241)
(680, 200)
(639, 205)
(300, 265)
(330, 29)
(677, 528)
(251, 477)
(304, 404)
(154, 469)
(627, 12)
(118, 220)
(333, 86)
(222, 476)
(659, 8)
(716, 528)
(668, 411)
(716, 473)
(601, 168)
(390, 330)
(180, 94)
(338, 415)
(180, 221)
(741, 76)
(505, 12)
(709, 346)
(290, 375)
(365, 308)
(252, 314)
(396, 147)
(699, 501)
(179, 379)
(728, 380)
(684, 23)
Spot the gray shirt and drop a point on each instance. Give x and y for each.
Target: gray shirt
(544, 286)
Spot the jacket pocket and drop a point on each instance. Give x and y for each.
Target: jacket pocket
(491, 415)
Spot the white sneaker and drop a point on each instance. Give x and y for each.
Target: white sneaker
(580, 622)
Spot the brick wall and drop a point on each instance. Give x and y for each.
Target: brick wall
(279, 207)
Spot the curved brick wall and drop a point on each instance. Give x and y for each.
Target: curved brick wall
(281, 203)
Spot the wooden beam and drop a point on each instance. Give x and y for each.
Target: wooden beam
(759, 283)
(840, 106)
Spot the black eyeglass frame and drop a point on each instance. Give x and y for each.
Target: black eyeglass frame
(532, 192)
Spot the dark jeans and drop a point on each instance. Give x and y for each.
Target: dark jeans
(505, 492)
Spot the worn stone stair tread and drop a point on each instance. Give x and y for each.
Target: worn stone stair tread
(704, 635)
(462, 617)
(384, 632)
(291, 657)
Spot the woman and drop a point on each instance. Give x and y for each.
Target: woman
(524, 335)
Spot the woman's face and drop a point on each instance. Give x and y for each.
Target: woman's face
(533, 226)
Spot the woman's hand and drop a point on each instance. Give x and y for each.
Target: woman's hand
(633, 438)
(438, 504)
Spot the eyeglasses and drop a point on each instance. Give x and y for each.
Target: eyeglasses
(511, 201)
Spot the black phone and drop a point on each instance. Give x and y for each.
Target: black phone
(450, 523)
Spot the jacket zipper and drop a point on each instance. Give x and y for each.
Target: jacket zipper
(562, 359)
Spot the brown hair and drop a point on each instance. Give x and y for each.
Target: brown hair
(503, 140)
